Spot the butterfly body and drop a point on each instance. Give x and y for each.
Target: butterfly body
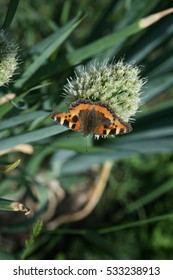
(92, 118)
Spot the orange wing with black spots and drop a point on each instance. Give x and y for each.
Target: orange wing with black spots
(91, 118)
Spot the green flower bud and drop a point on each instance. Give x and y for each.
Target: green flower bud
(118, 85)
(8, 58)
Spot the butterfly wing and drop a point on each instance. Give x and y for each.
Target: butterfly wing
(92, 119)
(117, 127)
(69, 120)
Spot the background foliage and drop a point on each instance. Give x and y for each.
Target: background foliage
(57, 176)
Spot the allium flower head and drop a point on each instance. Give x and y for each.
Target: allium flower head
(8, 58)
(118, 85)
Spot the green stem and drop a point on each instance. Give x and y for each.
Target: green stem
(10, 14)
(135, 224)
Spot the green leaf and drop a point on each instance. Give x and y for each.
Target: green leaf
(12, 8)
(49, 47)
(151, 196)
(87, 51)
(142, 222)
(23, 118)
(5, 108)
(157, 86)
(30, 137)
(100, 45)
(118, 149)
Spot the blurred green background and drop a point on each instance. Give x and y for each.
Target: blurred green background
(61, 173)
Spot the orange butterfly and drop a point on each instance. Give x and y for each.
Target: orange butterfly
(92, 118)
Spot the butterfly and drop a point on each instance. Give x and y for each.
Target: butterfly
(92, 118)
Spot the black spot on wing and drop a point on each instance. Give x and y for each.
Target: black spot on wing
(104, 132)
(75, 119)
(66, 123)
(73, 126)
(112, 131)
